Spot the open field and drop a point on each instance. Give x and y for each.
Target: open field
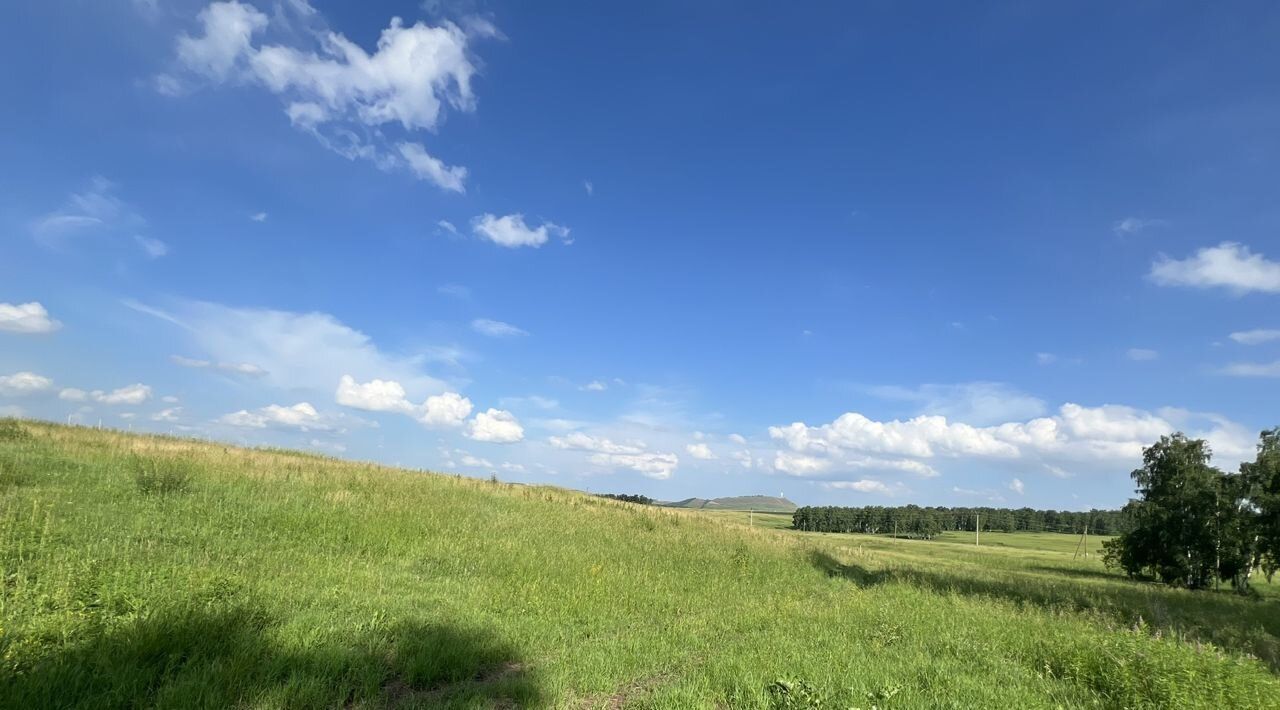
(157, 571)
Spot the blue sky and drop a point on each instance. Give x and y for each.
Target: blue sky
(870, 253)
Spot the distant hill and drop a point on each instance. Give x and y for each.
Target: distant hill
(763, 504)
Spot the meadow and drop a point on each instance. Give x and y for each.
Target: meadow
(153, 571)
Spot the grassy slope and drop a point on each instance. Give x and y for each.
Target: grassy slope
(281, 579)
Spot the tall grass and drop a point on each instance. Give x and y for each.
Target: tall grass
(277, 579)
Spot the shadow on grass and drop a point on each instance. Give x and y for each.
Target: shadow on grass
(228, 658)
(1241, 624)
(1080, 573)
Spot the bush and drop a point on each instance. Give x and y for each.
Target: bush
(161, 476)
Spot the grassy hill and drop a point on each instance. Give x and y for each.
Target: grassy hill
(763, 504)
(151, 571)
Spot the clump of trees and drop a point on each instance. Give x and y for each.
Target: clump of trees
(629, 498)
(1194, 524)
(924, 523)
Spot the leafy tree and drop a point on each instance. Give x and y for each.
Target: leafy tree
(1262, 480)
(1175, 525)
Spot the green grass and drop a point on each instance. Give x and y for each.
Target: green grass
(274, 579)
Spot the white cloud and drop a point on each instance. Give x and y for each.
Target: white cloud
(594, 386)
(96, 207)
(1134, 225)
(796, 464)
(224, 46)
(1252, 369)
(428, 167)
(635, 456)
(71, 394)
(511, 231)
(153, 248)
(1256, 336)
(29, 318)
(738, 439)
(235, 368)
(495, 426)
(923, 436)
(742, 457)
(496, 328)
(373, 396)
(129, 395)
(167, 415)
(1108, 435)
(301, 416)
(258, 216)
(1141, 354)
(24, 383)
(1016, 486)
(475, 461)
(448, 227)
(295, 351)
(449, 410)
(1046, 358)
(700, 451)
(589, 187)
(337, 91)
(1229, 265)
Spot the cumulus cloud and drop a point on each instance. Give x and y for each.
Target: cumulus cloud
(373, 396)
(338, 92)
(609, 454)
(258, 217)
(449, 409)
(24, 383)
(1016, 486)
(511, 231)
(1229, 265)
(234, 368)
(1256, 336)
(71, 394)
(1111, 435)
(738, 439)
(495, 426)
(496, 328)
(27, 318)
(594, 386)
(700, 451)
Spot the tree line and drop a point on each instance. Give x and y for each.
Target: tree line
(1193, 525)
(926, 522)
(628, 497)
